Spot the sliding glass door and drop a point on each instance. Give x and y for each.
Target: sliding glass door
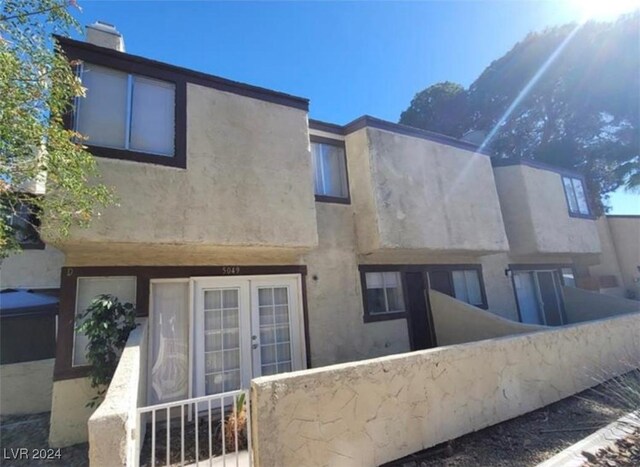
(539, 297)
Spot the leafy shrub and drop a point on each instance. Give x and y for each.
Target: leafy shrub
(107, 323)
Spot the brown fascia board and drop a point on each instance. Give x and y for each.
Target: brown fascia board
(326, 126)
(84, 51)
(372, 122)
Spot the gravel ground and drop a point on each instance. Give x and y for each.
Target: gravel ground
(526, 440)
(31, 432)
(624, 453)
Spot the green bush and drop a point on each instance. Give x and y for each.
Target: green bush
(107, 323)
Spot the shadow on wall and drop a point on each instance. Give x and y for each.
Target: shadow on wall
(582, 305)
(457, 322)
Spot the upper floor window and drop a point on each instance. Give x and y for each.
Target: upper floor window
(126, 112)
(576, 196)
(330, 171)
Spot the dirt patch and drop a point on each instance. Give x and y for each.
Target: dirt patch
(526, 440)
(24, 441)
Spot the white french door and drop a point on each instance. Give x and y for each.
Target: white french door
(276, 328)
(221, 326)
(245, 327)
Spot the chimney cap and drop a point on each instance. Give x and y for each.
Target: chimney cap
(104, 27)
(106, 35)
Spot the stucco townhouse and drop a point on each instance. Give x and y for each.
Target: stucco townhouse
(259, 241)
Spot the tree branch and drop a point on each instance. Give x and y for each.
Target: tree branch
(24, 15)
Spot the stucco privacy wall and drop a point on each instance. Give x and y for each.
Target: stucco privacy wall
(411, 193)
(336, 328)
(69, 413)
(26, 387)
(457, 322)
(625, 231)
(32, 269)
(498, 287)
(536, 216)
(248, 181)
(112, 425)
(583, 305)
(608, 259)
(371, 412)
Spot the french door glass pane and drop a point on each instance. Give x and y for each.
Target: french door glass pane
(122, 287)
(152, 116)
(102, 113)
(275, 332)
(222, 340)
(170, 339)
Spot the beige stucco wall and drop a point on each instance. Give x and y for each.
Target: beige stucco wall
(536, 216)
(371, 412)
(625, 232)
(336, 328)
(414, 194)
(26, 387)
(248, 182)
(32, 269)
(583, 305)
(457, 322)
(112, 427)
(607, 263)
(69, 413)
(500, 295)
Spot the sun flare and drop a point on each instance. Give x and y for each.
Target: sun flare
(604, 9)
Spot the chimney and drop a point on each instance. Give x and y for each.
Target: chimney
(105, 35)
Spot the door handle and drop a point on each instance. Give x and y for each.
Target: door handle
(254, 346)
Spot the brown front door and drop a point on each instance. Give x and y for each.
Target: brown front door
(421, 330)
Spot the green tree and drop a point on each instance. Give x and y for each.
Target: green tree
(583, 111)
(442, 107)
(37, 87)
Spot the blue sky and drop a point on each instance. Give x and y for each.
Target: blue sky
(348, 58)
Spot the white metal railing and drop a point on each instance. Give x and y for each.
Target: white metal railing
(213, 430)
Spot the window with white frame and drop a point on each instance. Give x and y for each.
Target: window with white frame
(88, 288)
(126, 111)
(384, 293)
(576, 196)
(330, 170)
(466, 286)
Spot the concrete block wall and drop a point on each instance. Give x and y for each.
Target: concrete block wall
(371, 412)
(112, 427)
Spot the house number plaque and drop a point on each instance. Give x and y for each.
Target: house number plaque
(230, 270)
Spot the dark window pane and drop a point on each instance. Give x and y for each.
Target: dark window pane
(375, 301)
